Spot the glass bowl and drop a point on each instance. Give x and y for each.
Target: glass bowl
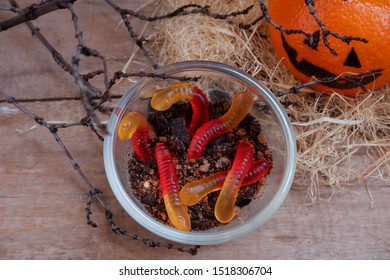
(268, 111)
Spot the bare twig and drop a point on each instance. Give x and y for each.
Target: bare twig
(134, 36)
(267, 17)
(181, 11)
(33, 11)
(85, 90)
(59, 98)
(86, 121)
(119, 74)
(92, 75)
(325, 32)
(91, 194)
(354, 78)
(250, 25)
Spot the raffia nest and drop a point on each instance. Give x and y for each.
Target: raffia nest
(340, 140)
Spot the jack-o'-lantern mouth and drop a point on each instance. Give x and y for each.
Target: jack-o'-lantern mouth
(325, 77)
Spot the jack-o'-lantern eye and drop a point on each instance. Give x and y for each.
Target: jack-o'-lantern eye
(352, 59)
(313, 40)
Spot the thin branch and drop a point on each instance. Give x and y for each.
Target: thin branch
(350, 78)
(86, 51)
(181, 11)
(32, 12)
(86, 121)
(91, 194)
(134, 36)
(119, 74)
(56, 99)
(326, 32)
(91, 75)
(267, 17)
(250, 25)
(85, 90)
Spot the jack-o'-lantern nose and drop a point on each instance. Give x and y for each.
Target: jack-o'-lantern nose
(352, 59)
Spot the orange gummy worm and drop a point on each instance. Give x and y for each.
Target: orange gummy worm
(224, 207)
(193, 192)
(177, 211)
(135, 126)
(240, 107)
(163, 99)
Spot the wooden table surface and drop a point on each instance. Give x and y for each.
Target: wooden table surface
(43, 199)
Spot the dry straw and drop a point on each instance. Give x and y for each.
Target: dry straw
(341, 140)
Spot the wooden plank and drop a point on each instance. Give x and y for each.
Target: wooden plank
(43, 200)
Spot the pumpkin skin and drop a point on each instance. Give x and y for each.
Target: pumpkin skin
(368, 19)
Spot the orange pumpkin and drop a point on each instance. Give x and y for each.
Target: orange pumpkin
(309, 58)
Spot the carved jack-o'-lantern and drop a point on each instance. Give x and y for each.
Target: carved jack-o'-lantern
(308, 57)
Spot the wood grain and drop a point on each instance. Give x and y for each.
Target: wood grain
(43, 200)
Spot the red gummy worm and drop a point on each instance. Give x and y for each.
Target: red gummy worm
(165, 98)
(193, 192)
(240, 107)
(257, 171)
(177, 212)
(224, 207)
(135, 126)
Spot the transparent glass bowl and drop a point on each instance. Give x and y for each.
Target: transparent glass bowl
(275, 125)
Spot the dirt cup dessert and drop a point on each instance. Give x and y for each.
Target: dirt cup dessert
(200, 154)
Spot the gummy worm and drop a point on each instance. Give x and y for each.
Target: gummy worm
(224, 207)
(135, 126)
(240, 107)
(177, 211)
(193, 192)
(165, 98)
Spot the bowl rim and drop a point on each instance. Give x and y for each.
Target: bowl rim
(199, 237)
